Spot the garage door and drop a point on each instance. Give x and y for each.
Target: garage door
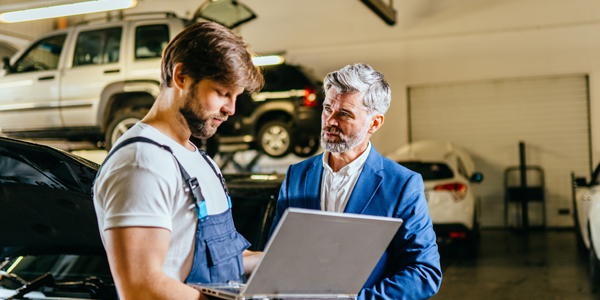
(489, 119)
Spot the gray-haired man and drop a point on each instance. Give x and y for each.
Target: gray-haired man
(351, 176)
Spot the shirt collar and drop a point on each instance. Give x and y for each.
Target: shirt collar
(352, 167)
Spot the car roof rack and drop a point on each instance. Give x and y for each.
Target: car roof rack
(107, 18)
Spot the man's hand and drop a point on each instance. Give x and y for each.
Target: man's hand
(136, 256)
(251, 259)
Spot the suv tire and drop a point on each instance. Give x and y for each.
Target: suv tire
(275, 139)
(120, 123)
(306, 146)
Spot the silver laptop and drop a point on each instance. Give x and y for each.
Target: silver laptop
(314, 255)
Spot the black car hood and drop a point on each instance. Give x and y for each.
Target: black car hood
(46, 204)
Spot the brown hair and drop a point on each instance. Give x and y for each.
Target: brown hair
(209, 50)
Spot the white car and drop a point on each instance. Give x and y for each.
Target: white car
(587, 205)
(586, 200)
(449, 174)
(582, 196)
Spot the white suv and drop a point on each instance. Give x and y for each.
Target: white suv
(95, 80)
(91, 80)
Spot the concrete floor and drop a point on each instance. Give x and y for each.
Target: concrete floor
(511, 265)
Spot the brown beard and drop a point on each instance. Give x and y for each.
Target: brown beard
(198, 119)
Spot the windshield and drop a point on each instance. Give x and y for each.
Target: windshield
(430, 171)
(62, 267)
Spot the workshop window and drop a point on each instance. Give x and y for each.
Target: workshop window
(150, 41)
(98, 47)
(44, 55)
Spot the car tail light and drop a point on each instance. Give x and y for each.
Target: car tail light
(457, 189)
(458, 235)
(310, 97)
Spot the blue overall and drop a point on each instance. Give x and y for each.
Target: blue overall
(218, 246)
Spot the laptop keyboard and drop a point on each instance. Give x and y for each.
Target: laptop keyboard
(235, 290)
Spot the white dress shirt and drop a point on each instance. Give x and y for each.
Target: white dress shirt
(336, 187)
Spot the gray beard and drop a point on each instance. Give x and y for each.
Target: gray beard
(346, 143)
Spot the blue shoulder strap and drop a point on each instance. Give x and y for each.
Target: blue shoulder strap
(192, 183)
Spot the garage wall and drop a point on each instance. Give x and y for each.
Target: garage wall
(434, 42)
(440, 42)
(490, 118)
(18, 34)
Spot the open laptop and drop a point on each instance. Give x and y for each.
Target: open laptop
(314, 255)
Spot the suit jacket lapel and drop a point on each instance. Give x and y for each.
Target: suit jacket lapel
(312, 189)
(367, 184)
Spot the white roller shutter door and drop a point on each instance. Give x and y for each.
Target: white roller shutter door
(488, 119)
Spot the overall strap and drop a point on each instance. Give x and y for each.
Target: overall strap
(140, 139)
(221, 178)
(135, 140)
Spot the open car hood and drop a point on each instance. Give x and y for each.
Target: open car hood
(46, 201)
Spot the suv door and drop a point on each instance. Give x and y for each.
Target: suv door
(30, 89)
(150, 38)
(96, 61)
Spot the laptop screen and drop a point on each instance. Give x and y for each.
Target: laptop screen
(315, 252)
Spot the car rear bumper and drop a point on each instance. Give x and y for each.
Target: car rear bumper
(445, 211)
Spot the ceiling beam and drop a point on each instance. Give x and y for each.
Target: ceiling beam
(386, 12)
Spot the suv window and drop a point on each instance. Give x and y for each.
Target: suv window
(151, 40)
(98, 47)
(284, 77)
(429, 171)
(43, 55)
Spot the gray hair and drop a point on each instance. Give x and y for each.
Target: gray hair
(363, 79)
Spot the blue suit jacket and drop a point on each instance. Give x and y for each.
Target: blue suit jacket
(410, 267)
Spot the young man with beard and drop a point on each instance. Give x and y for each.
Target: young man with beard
(351, 176)
(162, 206)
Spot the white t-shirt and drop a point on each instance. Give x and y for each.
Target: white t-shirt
(141, 185)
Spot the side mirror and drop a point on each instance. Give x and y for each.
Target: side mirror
(580, 181)
(476, 178)
(6, 65)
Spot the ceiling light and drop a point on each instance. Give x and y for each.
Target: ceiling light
(263, 177)
(268, 60)
(65, 10)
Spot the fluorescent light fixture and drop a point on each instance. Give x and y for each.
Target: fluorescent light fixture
(263, 177)
(56, 11)
(268, 60)
(14, 264)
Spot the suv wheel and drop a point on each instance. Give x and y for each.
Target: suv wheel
(120, 123)
(275, 139)
(306, 146)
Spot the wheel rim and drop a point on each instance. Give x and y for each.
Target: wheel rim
(307, 146)
(275, 140)
(121, 128)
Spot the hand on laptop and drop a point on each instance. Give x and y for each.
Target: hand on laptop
(251, 259)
